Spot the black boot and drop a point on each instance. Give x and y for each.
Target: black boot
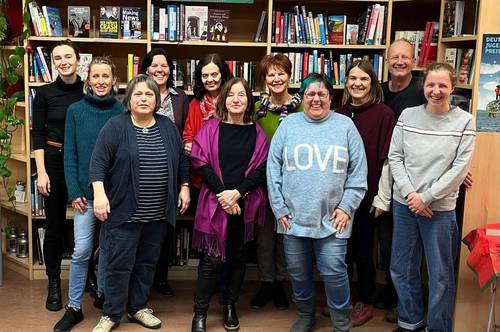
(263, 296)
(70, 319)
(98, 301)
(307, 316)
(231, 321)
(199, 321)
(54, 302)
(279, 294)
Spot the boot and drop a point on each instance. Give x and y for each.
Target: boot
(279, 294)
(54, 302)
(71, 317)
(231, 321)
(307, 316)
(199, 321)
(341, 320)
(263, 296)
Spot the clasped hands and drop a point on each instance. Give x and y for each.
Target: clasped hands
(416, 205)
(228, 200)
(339, 219)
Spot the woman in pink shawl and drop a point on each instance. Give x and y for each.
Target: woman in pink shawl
(229, 153)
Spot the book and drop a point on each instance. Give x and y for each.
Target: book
(260, 27)
(352, 31)
(196, 22)
(79, 21)
(336, 25)
(171, 33)
(453, 18)
(465, 66)
(41, 240)
(109, 22)
(53, 19)
(218, 25)
(450, 57)
(130, 22)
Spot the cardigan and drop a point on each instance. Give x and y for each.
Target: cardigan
(180, 105)
(115, 161)
(84, 121)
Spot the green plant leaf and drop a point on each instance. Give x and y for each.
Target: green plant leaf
(12, 78)
(5, 173)
(14, 60)
(20, 51)
(26, 34)
(18, 95)
(26, 17)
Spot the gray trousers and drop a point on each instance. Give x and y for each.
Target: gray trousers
(270, 254)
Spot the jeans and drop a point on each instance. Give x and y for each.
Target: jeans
(437, 237)
(330, 259)
(84, 229)
(132, 251)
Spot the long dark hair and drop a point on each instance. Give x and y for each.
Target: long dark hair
(148, 60)
(199, 89)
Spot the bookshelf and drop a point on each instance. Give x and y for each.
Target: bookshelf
(241, 46)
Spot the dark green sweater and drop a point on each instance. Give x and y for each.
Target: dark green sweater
(84, 121)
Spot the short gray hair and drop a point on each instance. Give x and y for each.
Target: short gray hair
(150, 82)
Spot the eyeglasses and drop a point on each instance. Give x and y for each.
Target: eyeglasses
(321, 95)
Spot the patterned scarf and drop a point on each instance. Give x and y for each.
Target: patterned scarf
(207, 106)
(283, 110)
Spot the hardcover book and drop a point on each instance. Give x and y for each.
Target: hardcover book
(130, 22)
(352, 31)
(53, 18)
(196, 22)
(79, 21)
(336, 29)
(218, 25)
(109, 21)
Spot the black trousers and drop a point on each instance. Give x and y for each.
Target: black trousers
(360, 252)
(385, 227)
(55, 211)
(210, 268)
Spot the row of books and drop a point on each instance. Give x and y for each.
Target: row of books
(181, 22)
(303, 27)
(462, 59)
(37, 202)
(453, 18)
(41, 68)
(305, 63)
(428, 48)
(183, 253)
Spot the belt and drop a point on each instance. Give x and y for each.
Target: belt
(55, 144)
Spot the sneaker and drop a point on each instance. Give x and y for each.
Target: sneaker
(71, 317)
(392, 316)
(146, 318)
(279, 294)
(105, 325)
(361, 313)
(263, 296)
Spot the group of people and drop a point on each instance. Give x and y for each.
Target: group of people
(309, 184)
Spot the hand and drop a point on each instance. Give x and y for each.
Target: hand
(79, 204)
(187, 148)
(227, 198)
(377, 212)
(468, 181)
(43, 184)
(233, 209)
(284, 222)
(101, 207)
(416, 205)
(184, 199)
(341, 220)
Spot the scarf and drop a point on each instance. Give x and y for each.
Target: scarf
(283, 110)
(210, 224)
(207, 107)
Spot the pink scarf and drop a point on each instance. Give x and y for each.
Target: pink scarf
(207, 106)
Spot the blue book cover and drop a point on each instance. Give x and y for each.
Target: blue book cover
(53, 18)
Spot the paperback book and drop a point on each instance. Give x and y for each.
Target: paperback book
(218, 25)
(352, 31)
(130, 20)
(79, 21)
(196, 22)
(336, 29)
(53, 17)
(109, 21)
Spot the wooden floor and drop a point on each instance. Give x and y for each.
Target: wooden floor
(22, 309)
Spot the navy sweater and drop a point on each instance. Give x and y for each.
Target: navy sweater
(115, 161)
(84, 121)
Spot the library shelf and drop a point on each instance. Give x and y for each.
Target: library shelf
(458, 39)
(330, 46)
(21, 208)
(92, 40)
(204, 43)
(19, 157)
(24, 262)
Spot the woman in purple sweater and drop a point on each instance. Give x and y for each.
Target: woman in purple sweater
(363, 103)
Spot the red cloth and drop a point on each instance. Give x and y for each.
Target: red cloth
(484, 259)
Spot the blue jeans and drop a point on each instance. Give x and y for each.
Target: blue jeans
(437, 237)
(330, 259)
(84, 229)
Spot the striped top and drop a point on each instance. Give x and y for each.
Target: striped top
(153, 176)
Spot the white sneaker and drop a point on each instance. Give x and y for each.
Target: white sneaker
(105, 325)
(146, 318)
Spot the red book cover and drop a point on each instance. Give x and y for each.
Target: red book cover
(305, 64)
(425, 44)
(277, 27)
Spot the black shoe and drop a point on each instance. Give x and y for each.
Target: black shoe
(54, 302)
(263, 296)
(400, 329)
(199, 323)
(71, 317)
(231, 321)
(279, 294)
(99, 301)
(163, 287)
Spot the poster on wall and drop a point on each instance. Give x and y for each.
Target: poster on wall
(488, 106)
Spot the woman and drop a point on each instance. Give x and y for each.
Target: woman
(426, 183)
(230, 155)
(136, 162)
(84, 120)
(49, 114)
(174, 105)
(316, 178)
(269, 112)
(363, 103)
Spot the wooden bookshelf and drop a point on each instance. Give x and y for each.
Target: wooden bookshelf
(459, 39)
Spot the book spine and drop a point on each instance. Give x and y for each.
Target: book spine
(130, 67)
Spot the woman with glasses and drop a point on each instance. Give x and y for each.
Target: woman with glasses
(363, 103)
(316, 178)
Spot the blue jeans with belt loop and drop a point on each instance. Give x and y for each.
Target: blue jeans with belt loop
(437, 237)
(330, 259)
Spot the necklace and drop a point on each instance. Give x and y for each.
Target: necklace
(145, 128)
